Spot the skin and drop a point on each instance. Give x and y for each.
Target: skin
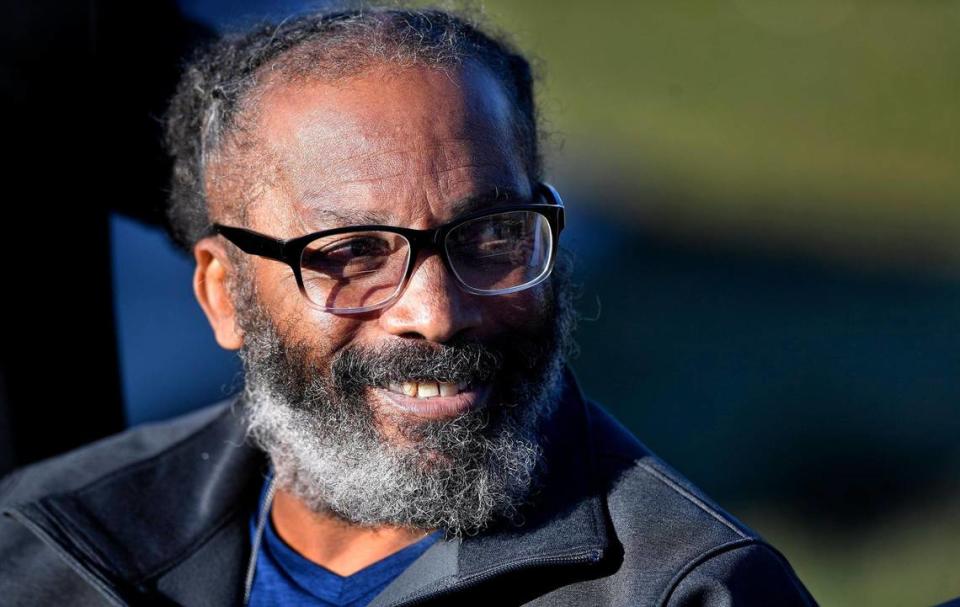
(407, 146)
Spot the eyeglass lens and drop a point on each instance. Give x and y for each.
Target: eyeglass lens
(500, 251)
(363, 269)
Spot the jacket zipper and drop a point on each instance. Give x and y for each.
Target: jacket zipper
(91, 576)
(590, 558)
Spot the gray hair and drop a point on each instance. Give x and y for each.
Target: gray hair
(218, 83)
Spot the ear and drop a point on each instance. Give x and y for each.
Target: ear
(210, 288)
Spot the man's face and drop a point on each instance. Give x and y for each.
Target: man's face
(405, 148)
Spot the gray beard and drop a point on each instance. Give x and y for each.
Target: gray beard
(457, 474)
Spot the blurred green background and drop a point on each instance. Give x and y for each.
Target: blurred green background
(825, 126)
(765, 197)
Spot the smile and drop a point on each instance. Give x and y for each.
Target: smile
(434, 400)
(430, 389)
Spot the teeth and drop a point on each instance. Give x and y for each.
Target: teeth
(427, 389)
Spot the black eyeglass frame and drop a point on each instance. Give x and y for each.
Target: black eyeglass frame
(290, 251)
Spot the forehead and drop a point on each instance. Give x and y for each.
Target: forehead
(387, 146)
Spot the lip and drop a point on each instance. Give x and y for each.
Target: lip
(436, 407)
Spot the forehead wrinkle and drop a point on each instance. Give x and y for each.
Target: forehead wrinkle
(379, 165)
(310, 127)
(470, 149)
(454, 172)
(322, 191)
(318, 217)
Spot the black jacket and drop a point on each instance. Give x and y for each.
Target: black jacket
(158, 515)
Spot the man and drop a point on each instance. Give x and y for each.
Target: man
(362, 194)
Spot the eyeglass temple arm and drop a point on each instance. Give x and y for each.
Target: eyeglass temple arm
(253, 242)
(554, 197)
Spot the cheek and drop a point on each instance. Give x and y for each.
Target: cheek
(329, 333)
(277, 288)
(525, 311)
(298, 321)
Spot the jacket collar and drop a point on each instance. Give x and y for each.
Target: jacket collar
(566, 525)
(170, 525)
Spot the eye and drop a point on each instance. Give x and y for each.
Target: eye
(354, 248)
(350, 255)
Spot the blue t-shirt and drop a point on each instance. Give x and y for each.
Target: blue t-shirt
(284, 577)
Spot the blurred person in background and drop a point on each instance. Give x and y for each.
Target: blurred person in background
(362, 192)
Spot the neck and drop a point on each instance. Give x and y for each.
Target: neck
(328, 541)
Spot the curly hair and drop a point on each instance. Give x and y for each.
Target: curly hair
(219, 84)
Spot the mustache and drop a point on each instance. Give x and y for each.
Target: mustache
(468, 362)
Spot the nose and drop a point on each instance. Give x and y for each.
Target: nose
(432, 305)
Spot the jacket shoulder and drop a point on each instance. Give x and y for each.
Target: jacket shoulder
(675, 536)
(749, 573)
(86, 464)
(638, 483)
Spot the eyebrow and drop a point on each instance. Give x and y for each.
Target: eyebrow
(343, 217)
(325, 216)
(486, 199)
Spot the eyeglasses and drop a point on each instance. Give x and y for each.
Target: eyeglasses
(356, 269)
